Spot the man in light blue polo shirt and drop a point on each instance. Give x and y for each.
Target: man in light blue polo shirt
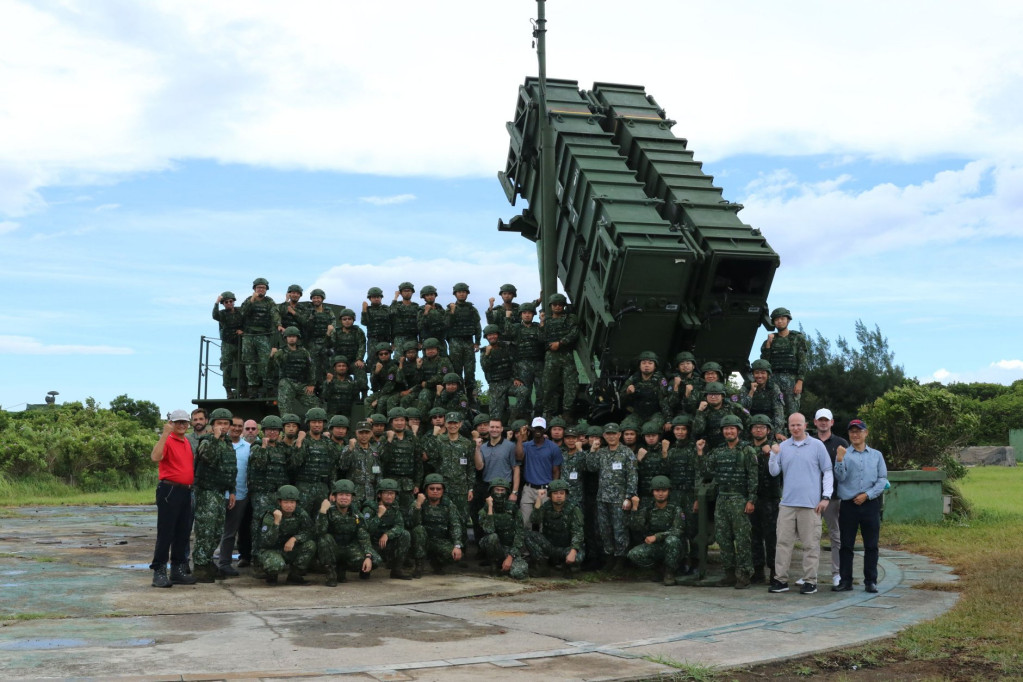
(806, 491)
(862, 476)
(236, 512)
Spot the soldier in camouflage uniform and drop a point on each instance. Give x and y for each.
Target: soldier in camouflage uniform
(561, 538)
(503, 541)
(764, 520)
(764, 397)
(560, 376)
(350, 342)
(296, 388)
(376, 318)
(787, 351)
(683, 474)
(527, 339)
(574, 474)
(684, 385)
(434, 366)
(401, 459)
(268, 470)
(661, 527)
(319, 333)
(342, 540)
(360, 463)
(453, 456)
(404, 316)
(733, 467)
(383, 379)
(287, 539)
(260, 320)
(616, 494)
(337, 428)
(651, 461)
(292, 434)
(452, 398)
(498, 364)
(292, 314)
(385, 524)
(508, 310)
(216, 473)
(437, 528)
(712, 410)
(230, 322)
(433, 319)
(410, 375)
(645, 393)
(341, 391)
(314, 463)
(464, 337)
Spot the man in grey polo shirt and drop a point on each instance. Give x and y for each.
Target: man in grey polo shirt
(807, 488)
(495, 458)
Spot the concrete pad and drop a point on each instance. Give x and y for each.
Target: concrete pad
(78, 604)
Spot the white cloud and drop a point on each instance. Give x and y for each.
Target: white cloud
(1016, 365)
(8, 226)
(89, 90)
(106, 207)
(26, 345)
(388, 201)
(942, 375)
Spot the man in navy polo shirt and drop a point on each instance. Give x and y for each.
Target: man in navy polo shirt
(541, 463)
(862, 475)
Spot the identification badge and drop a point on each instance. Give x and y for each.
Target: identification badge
(463, 461)
(376, 469)
(616, 466)
(573, 476)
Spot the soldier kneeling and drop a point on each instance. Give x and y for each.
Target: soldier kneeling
(561, 538)
(343, 543)
(503, 541)
(286, 539)
(386, 527)
(436, 528)
(661, 525)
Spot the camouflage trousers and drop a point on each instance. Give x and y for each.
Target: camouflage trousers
(399, 343)
(459, 496)
(321, 361)
(692, 522)
(668, 553)
(261, 504)
(560, 383)
(298, 559)
(344, 557)
(397, 548)
(542, 549)
(787, 383)
(310, 495)
(381, 403)
(732, 530)
(424, 401)
(490, 545)
(764, 532)
(614, 531)
(499, 391)
(434, 549)
(530, 373)
(210, 511)
(291, 397)
(231, 367)
(255, 353)
(463, 363)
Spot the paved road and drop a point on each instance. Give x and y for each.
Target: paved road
(77, 603)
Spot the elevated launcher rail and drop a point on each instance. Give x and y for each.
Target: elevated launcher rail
(650, 254)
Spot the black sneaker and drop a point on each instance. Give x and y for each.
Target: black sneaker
(808, 588)
(778, 586)
(870, 587)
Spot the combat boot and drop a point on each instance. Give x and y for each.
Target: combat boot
(693, 567)
(438, 567)
(160, 578)
(543, 569)
(619, 565)
(727, 581)
(295, 578)
(257, 570)
(399, 574)
(180, 576)
(742, 582)
(203, 574)
(758, 575)
(669, 577)
(215, 571)
(417, 570)
(331, 580)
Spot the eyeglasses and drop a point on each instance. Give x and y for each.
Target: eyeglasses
(250, 428)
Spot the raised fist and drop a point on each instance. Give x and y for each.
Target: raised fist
(278, 515)
(324, 506)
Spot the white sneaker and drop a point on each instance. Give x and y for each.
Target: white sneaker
(836, 580)
(800, 581)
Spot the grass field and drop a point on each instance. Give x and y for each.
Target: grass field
(50, 491)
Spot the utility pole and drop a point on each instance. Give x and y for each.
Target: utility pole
(548, 212)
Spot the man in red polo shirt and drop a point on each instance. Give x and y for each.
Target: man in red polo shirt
(173, 502)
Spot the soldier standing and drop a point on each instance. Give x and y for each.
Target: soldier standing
(292, 313)
(683, 474)
(464, 337)
(508, 308)
(651, 461)
(560, 376)
(401, 459)
(452, 456)
(269, 464)
(376, 318)
(711, 413)
(498, 366)
(230, 322)
(764, 520)
(404, 316)
(765, 397)
(343, 542)
(215, 475)
(260, 320)
(314, 463)
(296, 388)
(616, 493)
(684, 385)
(787, 352)
(350, 342)
(360, 463)
(733, 467)
(433, 320)
(503, 534)
(319, 333)
(383, 380)
(340, 392)
(660, 525)
(287, 539)
(434, 366)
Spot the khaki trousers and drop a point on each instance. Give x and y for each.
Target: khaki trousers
(800, 523)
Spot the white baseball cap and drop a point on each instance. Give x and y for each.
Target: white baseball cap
(823, 412)
(539, 421)
(179, 416)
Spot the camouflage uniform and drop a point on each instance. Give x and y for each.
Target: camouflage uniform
(318, 342)
(788, 357)
(259, 322)
(707, 424)
(678, 403)
(340, 395)
(230, 323)
(769, 401)
(433, 324)
(764, 520)
(216, 473)
(650, 399)
(272, 539)
(683, 473)
(432, 372)
(362, 466)
(734, 470)
(560, 376)
(560, 532)
(298, 319)
(464, 332)
(504, 535)
(296, 370)
(384, 384)
(376, 318)
(342, 540)
(404, 322)
(268, 470)
(573, 463)
(392, 524)
(453, 402)
(410, 379)
(315, 465)
(618, 482)
(351, 343)
(454, 460)
(652, 464)
(401, 459)
(436, 529)
(666, 525)
(528, 341)
(498, 367)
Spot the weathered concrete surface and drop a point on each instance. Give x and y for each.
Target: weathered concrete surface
(988, 455)
(76, 603)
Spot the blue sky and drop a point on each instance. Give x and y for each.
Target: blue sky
(154, 154)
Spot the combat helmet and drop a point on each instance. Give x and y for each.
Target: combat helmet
(460, 286)
(343, 486)
(229, 296)
(432, 479)
(557, 299)
(317, 292)
(428, 290)
(288, 492)
(714, 387)
(407, 285)
(780, 312)
(271, 421)
(292, 331)
(651, 428)
(221, 413)
(413, 413)
(508, 289)
(452, 378)
(292, 288)
(431, 343)
(337, 420)
(648, 355)
(347, 312)
(660, 483)
(491, 329)
(557, 484)
(712, 366)
(685, 356)
(316, 414)
(761, 419)
(731, 420)
(380, 347)
(761, 364)
(289, 418)
(387, 484)
(396, 413)
(260, 280)
(374, 291)
(682, 420)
